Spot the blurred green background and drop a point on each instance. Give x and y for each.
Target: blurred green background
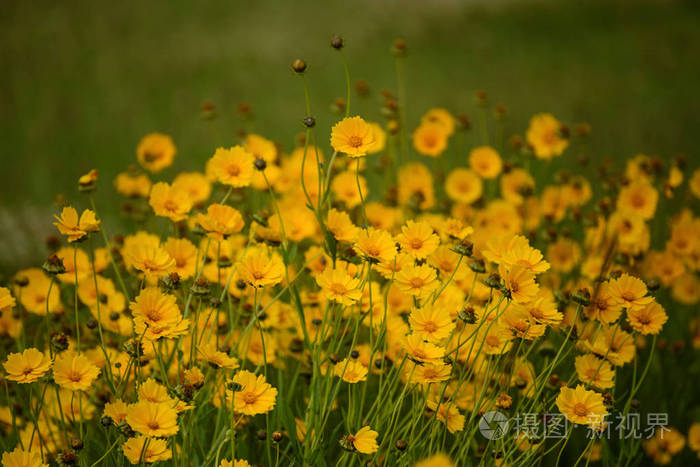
(83, 80)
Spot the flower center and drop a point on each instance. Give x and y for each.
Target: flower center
(355, 141)
(580, 409)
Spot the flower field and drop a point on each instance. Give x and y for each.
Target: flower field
(414, 292)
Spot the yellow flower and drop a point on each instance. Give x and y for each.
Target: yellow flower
(694, 183)
(463, 186)
(152, 419)
(519, 322)
(447, 413)
(152, 261)
(379, 139)
(74, 371)
(236, 463)
(485, 161)
(418, 281)
(629, 291)
(581, 406)
(351, 371)
(261, 148)
(169, 201)
(76, 229)
(195, 184)
(7, 301)
(233, 167)
(375, 245)
(35, 296)
(418, 239)
(431, 323)
(156, 315)
(647, 320)
(437, 460)
(604, 307)
(220, 221)
(216, 358)
(665, 443)
(594, 371)
(339, 286)
(133, 186)
(184, 253)
(255, 395)
(155, 152)
(27, 367)
(22, 458)
(344, 187)
(420, 350)
(440, 117)
(612, 344)
(519, 283)
(260, 268)
(427, 373)
(364, 441)
(116, 411)
(638, 197)
(340, 226)
(353, 136)
(430, 139)
(563, 254)
(142, 449)
(516, 185)
(543, 135)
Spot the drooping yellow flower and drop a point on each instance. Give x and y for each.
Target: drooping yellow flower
(350, 371)
(254, 395)
(364, 441)
(216, 358)
(26, 367)
(169, 201)
(261, 268)
(594, 371)
(485, 161)
(220, 221)
(340, 226)
(74, 371)
(339, 286)
(353, 136)
(544, 136)
(463, 186)
(142, 449)
(430, 322)
(418, 239)
(233, 167)
(155, 152)
(519, 283)
(647, 320)
(152, 419)
(430, 139)
(581, 406)
(76, 228)
(21, 458)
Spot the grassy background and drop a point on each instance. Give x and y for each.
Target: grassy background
(83, 80)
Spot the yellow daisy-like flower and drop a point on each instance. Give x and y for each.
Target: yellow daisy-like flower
(220, 221)
(184, 253)
(76, 228)
(353, 136)
(340, 226)
(116, 411)
(440, 117)
(157, 315)
(638, 197)
(236, 463)
(485, 161)
(195, 184)
(544, 136)
(216, 358)
(350, 371)
(647, 320)
(339, 286)
(344, 187)
(7, 301)
(364, 441)
(463, 186)
(170, 201)
(431, 323)
(26, 367)
(594, 371)
(519, 283)
(152, 419)
(21, 458)
(260, 268)
(375, 245)
(233, 167)
(133, 186)
(629, 291)
(142, 449)
(437, 460)
(255, 395)
(155, 152)
(74, 371)
(581, 406)
(420, 350)
(153, 261)
(428, 373)
(418, 239)
(418, 281)
(447, 413)
(430, 139)
(379, 139)
(261, 148)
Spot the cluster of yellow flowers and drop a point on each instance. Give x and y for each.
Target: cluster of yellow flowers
(289, 308)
